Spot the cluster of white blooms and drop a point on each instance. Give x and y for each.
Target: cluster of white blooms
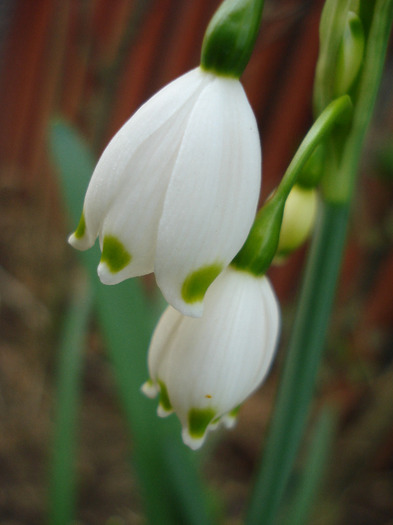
(176, 189)
(175, 192)
(205, 368)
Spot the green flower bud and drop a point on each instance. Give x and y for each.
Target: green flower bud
(350, 55)
(312, 171)
(298, 220)
(230, 37)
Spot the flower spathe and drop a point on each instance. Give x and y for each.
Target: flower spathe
(176, 189)
(205, 368)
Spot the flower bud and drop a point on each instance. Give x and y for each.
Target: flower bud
(350, 55)
(312, 172)
(203, 369)
(230, 37)
(298, 220)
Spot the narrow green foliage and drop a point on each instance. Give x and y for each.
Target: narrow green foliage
(312, 320)
(307, 487)
(62, 468)
(301, 364)
(127, 319)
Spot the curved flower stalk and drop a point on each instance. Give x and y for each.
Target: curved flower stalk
(205, 368)
(176, 189)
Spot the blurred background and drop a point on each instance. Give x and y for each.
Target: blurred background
(93, 63)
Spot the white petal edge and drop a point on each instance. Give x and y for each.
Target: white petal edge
(110, 171)
(213, 192)
(231, 329)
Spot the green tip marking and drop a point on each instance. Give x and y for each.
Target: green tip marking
(234, 412)
(198, 421)
(196, 283)
(114, 254)
(164, 397)
(81, 229)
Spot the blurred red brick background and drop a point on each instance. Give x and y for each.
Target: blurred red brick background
(94, 63)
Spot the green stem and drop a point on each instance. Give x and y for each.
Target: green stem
(309, 484)
(308, 338)
(338, 184)
(260, 247)
(338, 109)
(302, 362)
(331, 29)
(71, 353)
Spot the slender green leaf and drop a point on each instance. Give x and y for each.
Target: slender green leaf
(308, 485)
(62, 468)
(308, 337)
(127, 319)
(301, 365)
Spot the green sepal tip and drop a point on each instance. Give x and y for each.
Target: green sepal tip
(114, 254)
(198, 421)
(230, 37)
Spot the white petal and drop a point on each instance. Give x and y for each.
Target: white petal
(133, 215)
(115, 163)
(162, 412)
(160, 342)
(213, 192)
(149, 389)
(218, 360)
(228, 420)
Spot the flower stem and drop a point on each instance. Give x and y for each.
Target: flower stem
(261, 245)
(308, 338)
(338, 184)
(302, 362)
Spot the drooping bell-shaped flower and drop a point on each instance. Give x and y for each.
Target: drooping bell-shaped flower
(176, 189)
(203, 369)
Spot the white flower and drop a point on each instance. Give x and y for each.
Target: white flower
(205, 368)
(176, 189)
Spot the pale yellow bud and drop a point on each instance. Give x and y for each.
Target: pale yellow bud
(298, 220)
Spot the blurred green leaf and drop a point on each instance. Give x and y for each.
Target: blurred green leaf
(307, 487)
(320, 280)
(62, 468)
(127, 319)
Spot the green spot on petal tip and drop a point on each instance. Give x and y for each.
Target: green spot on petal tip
(234, 412)
(196, 283)
(164, 397)
(114, 255)
(198, 421)
(81, 229)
